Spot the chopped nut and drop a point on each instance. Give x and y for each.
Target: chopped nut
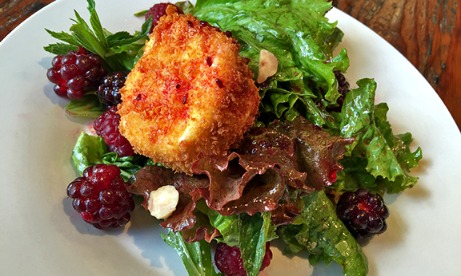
(268, 65)
(163, 201)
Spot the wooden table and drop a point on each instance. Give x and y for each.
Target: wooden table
(427, 32)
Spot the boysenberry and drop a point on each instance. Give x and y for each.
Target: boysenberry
(364, 213)
(75, 73)
(101, 197)
(106, 126)
(229, 261)
(108, 91)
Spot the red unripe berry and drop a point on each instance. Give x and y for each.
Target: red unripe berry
(229, 261)
(106, 126)
(75, 73)
(101, 197)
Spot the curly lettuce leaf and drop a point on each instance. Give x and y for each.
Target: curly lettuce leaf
(319, 231)
(302, 39)
(378, 159)
(317, 151)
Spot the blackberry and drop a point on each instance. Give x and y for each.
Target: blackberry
(363, 213)
(108, 91)
(157, 11)
(229, 261)
(101, 197)
(75, 73)
(106, 126)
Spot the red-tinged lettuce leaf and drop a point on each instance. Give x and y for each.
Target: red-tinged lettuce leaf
(272, 167)
(190, 189)
(317, 151)
(255, 177)
(202, 229)
(246, 183)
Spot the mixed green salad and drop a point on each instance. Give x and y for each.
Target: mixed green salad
(305, 86)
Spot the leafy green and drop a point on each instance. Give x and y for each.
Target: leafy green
(90, 150)
(196, 256)
(319, 231)
(89, 107)
(302, 39)
(226, 225)
(376, 150)
(61, 48)
(118, 50)
(254, 232)
(249, 233)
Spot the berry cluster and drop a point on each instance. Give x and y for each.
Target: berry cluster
(363, 213)
(101, 197)
(75, 73)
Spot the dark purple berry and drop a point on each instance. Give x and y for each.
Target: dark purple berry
(229, 261)
(106, 126)
(109, 90)
(75, 73)
(101, 197)
(364, 213)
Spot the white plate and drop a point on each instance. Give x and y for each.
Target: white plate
(41, 234)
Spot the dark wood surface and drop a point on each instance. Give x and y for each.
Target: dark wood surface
(427, 32)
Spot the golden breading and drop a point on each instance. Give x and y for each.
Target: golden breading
(190, 95)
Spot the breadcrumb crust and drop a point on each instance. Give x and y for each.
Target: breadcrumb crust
(190, 95)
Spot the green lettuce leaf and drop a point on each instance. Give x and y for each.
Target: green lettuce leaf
(196, 256)
(319, 231)
(89, 107)
(249, 233)
(90, 150)
(378, 159)
(302, 39)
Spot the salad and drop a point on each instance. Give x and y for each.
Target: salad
(310, 172)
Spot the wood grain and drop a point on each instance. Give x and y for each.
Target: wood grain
(13, 12)
(427, 32)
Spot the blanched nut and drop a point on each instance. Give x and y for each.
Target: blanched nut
(163, 201)
(268, 65)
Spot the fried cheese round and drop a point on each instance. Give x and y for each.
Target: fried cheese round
(189, 96)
